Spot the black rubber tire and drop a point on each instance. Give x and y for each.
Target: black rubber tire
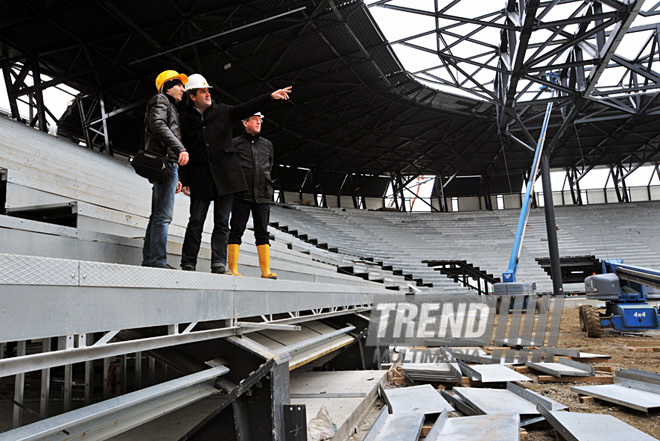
(583, 320)
(594, 330)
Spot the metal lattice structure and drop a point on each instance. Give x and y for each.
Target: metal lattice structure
(361, 120)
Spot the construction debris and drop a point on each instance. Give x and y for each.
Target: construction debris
(403, 427)
(587, 426)
(503, 426)
(432, 372)
(632, 388)
(563, 368)
(415, 399)
(492, 373)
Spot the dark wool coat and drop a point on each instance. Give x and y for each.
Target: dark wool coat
(208, 140)
(255, 155)
(162, 134)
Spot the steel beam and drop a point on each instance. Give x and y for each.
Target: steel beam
(114, 416)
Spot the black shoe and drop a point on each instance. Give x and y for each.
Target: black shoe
(220, 270)
(167, 266)
(187, 267)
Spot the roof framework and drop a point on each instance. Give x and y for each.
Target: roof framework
(358, 118)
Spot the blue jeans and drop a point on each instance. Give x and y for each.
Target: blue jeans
(191, 243)
(154, 252)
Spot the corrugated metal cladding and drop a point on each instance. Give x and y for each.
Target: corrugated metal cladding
(354, 108)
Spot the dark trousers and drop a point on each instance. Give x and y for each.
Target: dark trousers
(240, 213)
(193, 239)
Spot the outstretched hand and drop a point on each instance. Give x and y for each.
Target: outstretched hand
(281, 94)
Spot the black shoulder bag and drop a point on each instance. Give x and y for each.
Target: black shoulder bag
(150, 165)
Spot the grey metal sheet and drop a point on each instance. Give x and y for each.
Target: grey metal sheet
(501, 427)
(590, 355)
(625, 396)
(81, 310)
(424, 399)
(441, 371)
(492, 373)
(377, 425)
(459, 404)
(515, 342)
(649, 378)
(590, 427)
(401, 427)
(490, 401)
(535, 397)
(562, 369)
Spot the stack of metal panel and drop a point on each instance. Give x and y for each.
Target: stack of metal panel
(564, 367)
(442, 372)
(575, 354)
(587, 426)
(415, 399)
(503, 426)
(632, 388)
(400, 427)
(513, 399)
(492, 373)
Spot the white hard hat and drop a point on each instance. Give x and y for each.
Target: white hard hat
(196, 81)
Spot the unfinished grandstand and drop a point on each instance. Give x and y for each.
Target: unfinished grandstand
(94, 346)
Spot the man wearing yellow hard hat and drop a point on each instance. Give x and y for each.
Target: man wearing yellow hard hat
(162, 135)
(214, 173)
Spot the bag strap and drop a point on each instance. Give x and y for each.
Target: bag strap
(146, 126)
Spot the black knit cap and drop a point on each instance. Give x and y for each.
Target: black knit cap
(171, 83)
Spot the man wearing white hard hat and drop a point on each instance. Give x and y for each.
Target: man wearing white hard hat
(213, 173)
(162, 135)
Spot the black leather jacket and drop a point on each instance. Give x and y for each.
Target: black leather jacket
(255, 154)
(162, 132)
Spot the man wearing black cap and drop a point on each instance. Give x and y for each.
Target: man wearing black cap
(162, 136)
(255, 153)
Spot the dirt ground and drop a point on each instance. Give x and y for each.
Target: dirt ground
(612, 343)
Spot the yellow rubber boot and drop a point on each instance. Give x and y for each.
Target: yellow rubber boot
(232, 258)
(264, 262)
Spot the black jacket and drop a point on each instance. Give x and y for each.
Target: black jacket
(255, 154)
(208, 139)
(162, 133)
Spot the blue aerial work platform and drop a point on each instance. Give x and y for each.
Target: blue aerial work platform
(509, 285)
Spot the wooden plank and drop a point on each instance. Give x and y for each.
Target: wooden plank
(590, 360)
(609, 369)
(426, 428)
(586, 399)
(598, 379)
(644, 349)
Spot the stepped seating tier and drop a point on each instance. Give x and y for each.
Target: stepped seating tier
(112, 205)
(401, 241)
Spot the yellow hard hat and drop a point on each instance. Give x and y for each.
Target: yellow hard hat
(169, 75)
